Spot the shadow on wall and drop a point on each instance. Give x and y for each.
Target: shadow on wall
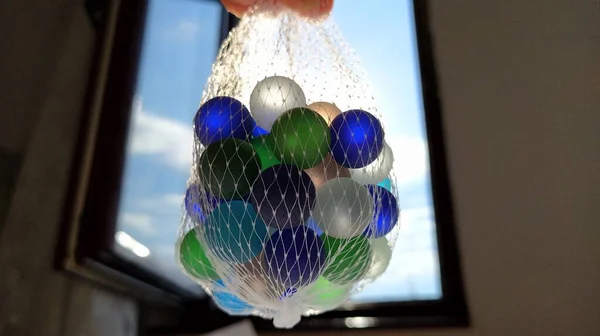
(9, 168)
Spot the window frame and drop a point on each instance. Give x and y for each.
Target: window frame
(85, 244)
(86, 239)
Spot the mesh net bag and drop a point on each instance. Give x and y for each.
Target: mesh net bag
(291, 205)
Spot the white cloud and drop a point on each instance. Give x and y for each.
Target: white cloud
(163, 258)
(417, 220)
(169, 140)
(416, 231)
(173, 199)
(164, 209)
(411, 162)
(169, 202)
(410, 275)
(411, 263)
(137, 221)
(165, 252)
(184, 31)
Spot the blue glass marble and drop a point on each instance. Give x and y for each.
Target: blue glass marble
(386, 214)
(386, 183)
(228, 302)
(235, 233)
(199, 203)
(259, 131)
(283, 196)
(288, 293)
(311, 224)
(294, 257)
(356, 138)
(221, 118)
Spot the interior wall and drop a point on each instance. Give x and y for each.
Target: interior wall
(520, 84)
(520, 88)
(47, 52)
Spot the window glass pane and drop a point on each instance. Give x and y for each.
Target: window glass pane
(180, 44)
(383, 34)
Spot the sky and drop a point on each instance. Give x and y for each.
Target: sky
(181, 42)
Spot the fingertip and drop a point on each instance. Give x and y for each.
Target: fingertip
(326, 7)
(235, 7)
(307, 8)
(310, 8)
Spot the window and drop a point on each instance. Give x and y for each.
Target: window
(391, 61)
(162, 53)
(181, 40)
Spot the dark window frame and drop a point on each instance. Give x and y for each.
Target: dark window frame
(85, 247)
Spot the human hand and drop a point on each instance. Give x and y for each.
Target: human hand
(308, 8)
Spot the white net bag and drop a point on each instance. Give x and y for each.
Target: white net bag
(291, 205)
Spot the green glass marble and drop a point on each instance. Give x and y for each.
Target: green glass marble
(324, 295)
(347, 259)
(228, 167)
(265, 154)
(194, 259)
(301, 137)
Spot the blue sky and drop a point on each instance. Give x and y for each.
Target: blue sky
(180, 44)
